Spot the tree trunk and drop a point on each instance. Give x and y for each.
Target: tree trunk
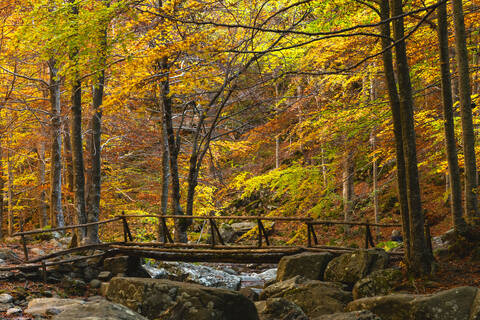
(2, 186)
(449, 126)
(56, 211)
(42, 207)
(76, 136)
(94, 144)
(165, 177)
(67, 149)
(10, 195)
(471, 202)
(420, 258)
(181, 225)
(397, 129)
(347, 177)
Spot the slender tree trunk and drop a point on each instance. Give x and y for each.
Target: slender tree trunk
(10, 195)
(165, 176)
(347, 177)
(77, 143)
(181, 225)
(94, 185)
(43, 207)
(450, 142)
(2, 186)
(397, 129)
(471, 202)
(420, 257)
(67, 149)
(56, 211)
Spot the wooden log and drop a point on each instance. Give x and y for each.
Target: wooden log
(166, 234)
(24, 242)
(194, 245)
(219, 252)
(76, 249)
(233, 257)
(27, 266)
(38, 231)
(299, 219)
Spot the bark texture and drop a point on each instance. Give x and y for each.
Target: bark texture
(455, 188)
(464, 89)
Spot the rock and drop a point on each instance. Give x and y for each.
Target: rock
(250, 293)
(351, 267)
(315, 297)
(103, 288)
(104, 275)
(165, 299)
(37, 251)
(14, 311)
(5, 306)
(308, 265)
(8, 255)
(354, 315)
(391, 307)
(458, 303)
(444, 305)
(41, 306)
(228, 233)
(268, 275)
(73, 287)
(381, 282)
(187, 272)
(279, 308)
(95, 284)
(130, 266)
(6, 298)
(6, 275)
(98, 310)
(243, 227)
(90, 273)
(75, 309)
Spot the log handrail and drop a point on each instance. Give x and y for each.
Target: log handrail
(39, 231)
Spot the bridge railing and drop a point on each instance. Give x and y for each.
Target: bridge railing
(215, 235)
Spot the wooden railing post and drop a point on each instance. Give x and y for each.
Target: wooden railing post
(24, 241)
(212, 232)
(127, 235)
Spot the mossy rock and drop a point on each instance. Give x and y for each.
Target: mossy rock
(380, 282)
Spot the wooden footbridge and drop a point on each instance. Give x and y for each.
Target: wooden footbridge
(215, 251)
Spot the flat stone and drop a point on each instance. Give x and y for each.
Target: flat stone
(98, 310)
(14, 311)
(6, 298)
(40, 306)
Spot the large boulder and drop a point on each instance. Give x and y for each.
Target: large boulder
(98, 310)
(308, 265)
(378, 283)
(156, 298)
(279, 308)
(315, 297)
(76, 309)
(187, 272)
(354, 315)
(391, 307)
(351, 267)
(455, 304)
(450, 304)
